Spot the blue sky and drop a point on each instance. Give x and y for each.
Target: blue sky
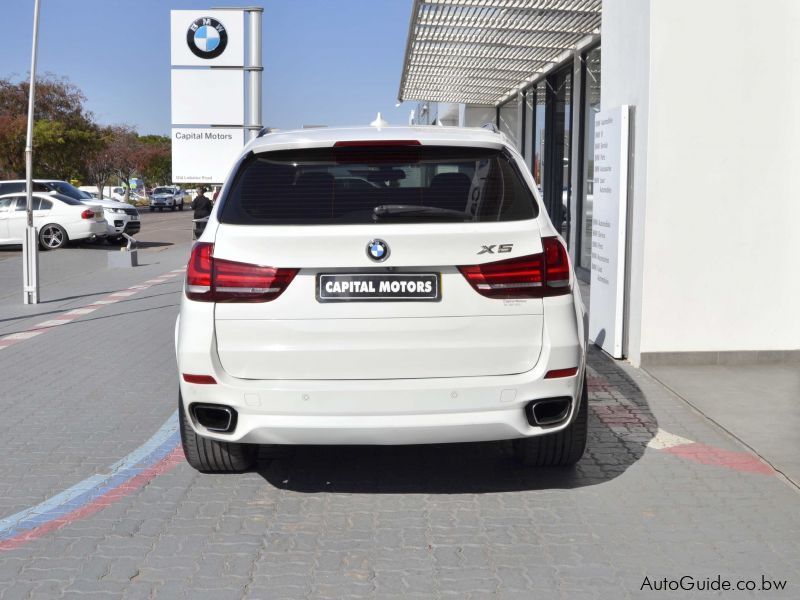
(332, 62)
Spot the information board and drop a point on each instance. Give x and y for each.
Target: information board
(207, 96)
(204, 154)
(609, 224)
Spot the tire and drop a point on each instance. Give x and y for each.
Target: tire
(173, 207)
(562, 449)
(160, 209)
(152, 209)
(180, 206)
(52, 236)
(210, 456)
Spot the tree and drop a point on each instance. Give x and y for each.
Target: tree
(69, 144)
(64, 131)
(12, 145)
(100, 165)
(61, 150)
(156, 159)
(126, 155)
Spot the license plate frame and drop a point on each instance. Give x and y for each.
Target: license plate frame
(324, 294)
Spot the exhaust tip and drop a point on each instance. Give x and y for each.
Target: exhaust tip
(214, 417)
(548, 411)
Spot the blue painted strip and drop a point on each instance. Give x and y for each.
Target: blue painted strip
(38, 519)
(80, 494)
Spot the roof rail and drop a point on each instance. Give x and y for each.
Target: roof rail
(491, 127)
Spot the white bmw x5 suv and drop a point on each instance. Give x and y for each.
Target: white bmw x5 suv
(380, 286)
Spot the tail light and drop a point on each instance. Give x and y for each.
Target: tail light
(87, 214)
(200, 379)
(376, 152)
(532, 276)
(558, 373)
(374, 143)
(210, 279)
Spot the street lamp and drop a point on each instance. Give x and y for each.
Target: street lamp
(30, 248)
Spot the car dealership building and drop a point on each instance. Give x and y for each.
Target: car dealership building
(710, 91)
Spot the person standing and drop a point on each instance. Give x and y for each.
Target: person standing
(202, 207)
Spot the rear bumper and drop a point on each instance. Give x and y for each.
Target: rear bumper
(383, 411)
(86, 229)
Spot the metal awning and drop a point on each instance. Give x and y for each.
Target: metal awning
(483, 51)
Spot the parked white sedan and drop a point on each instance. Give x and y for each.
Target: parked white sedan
(57, 218)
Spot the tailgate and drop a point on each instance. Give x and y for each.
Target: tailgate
(300, 336)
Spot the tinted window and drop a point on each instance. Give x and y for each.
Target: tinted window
(16, 187)
(351, 185)
(66, 189)
(11, 187)
(37, 204)
(68, 200)
(5, 204)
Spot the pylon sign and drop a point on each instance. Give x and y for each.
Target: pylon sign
(209, 105)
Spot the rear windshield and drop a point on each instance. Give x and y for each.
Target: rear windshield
(353, 185)
(66, 189)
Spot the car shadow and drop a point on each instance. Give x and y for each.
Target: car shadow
(620, 426)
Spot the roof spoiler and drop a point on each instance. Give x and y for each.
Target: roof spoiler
(266, 131)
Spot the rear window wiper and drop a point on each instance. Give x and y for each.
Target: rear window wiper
(402, 210)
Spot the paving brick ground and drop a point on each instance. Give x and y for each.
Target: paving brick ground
(661, 492)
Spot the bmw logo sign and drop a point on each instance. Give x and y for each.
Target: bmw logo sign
(207, 37)
(378, 250)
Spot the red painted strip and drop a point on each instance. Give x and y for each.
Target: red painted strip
(616, 415)
(6, 341)
(110, 497)
(730, 459)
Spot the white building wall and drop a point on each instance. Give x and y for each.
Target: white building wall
(625, 80)
(715, 212)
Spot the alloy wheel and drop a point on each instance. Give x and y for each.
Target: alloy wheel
(52, 236)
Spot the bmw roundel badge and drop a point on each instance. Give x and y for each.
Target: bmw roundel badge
(207, 37)
(378, 250)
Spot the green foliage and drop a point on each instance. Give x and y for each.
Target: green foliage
(61, 150)
(68, 144)
(12, 145)
(156, 167)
